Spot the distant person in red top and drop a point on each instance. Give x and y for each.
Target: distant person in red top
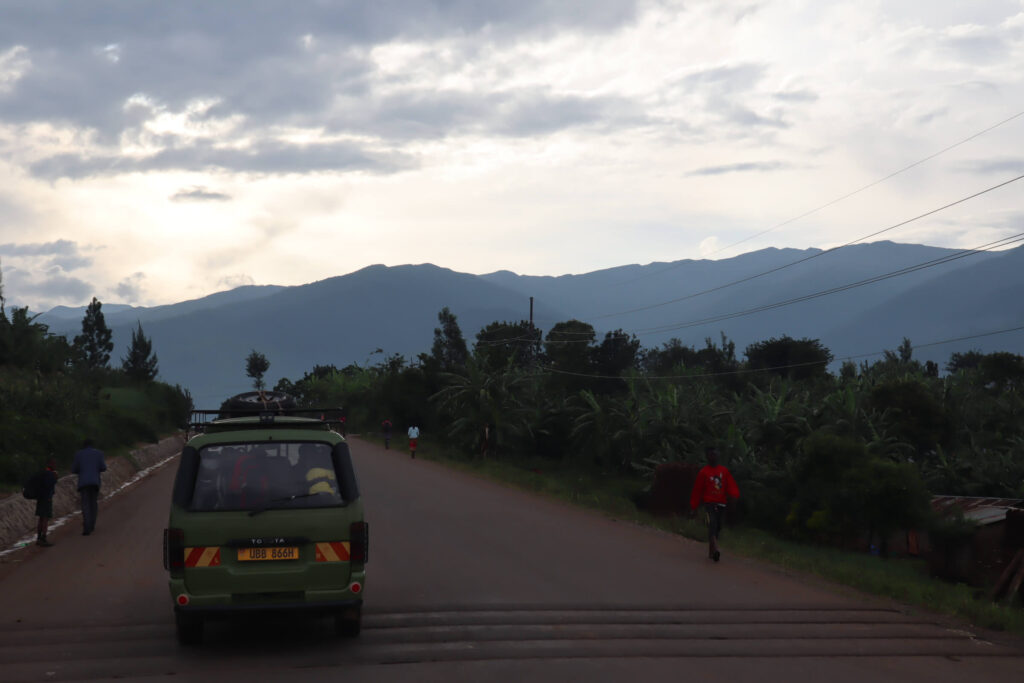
(713, 488)
(386, 427)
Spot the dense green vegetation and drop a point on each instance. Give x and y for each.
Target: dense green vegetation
(54, 394)
(834, 458)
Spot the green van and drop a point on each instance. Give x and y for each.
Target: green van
(266, 517)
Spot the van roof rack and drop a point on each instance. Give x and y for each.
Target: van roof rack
(264, 405)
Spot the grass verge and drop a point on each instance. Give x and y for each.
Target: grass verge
(905, 580)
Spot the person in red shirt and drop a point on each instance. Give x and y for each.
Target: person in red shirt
(712, 489)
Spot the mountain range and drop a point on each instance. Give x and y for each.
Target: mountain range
(362, 316)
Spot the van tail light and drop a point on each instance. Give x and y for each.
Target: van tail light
(174, 549)
(359, 542)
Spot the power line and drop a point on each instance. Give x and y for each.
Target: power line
(812, 256)
(1002, 242)
(779, 268)
(845, 196)
(842, 288)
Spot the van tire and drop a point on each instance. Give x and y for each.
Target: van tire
(349, 623)
(189, 628)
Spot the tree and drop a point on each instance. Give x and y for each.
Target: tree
(909, 406)
(673, 355)
(140, 364)
(618, 353)
(94, 345)
(568, 346)
(722, 361)
(503, 344)
(25, 343)
(449, 349)
(968, 360)
(795, 358)
(903, 355)
(1002, 370)
(848, 371)
(256, 364)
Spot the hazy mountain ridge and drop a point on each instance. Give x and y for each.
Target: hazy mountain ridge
(118, 314)
(202, 344)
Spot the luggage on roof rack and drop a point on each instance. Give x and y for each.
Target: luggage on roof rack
(256, 403)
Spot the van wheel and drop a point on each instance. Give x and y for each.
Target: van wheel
(348, 623)
(189, 627)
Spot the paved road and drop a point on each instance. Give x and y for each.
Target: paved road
(471, 581)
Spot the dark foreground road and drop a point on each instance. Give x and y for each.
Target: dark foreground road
(470, 581)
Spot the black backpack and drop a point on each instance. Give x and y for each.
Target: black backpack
(33, 486)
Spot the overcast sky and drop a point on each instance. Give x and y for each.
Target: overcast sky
(153, 152)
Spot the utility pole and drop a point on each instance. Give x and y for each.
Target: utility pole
(535, 352)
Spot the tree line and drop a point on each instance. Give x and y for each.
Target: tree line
(54, 393)
(819, 455)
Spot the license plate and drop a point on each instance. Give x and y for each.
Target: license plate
(282, 553)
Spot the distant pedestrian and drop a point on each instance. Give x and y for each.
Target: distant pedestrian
(87, 464)
(47, 486)
(488, 440)
(712, 489)
(386, 429)
(414, 434)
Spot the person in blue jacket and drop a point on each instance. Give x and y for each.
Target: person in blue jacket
(87, 464)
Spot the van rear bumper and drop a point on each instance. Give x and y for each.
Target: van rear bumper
(308, 608)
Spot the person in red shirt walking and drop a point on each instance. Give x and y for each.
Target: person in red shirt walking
(712, 489)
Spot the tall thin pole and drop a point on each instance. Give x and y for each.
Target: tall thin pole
(535, 350)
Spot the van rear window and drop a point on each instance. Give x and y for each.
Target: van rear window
(265, 475)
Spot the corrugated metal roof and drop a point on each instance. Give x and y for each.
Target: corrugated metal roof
(982, 511)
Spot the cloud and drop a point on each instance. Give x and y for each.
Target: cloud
(749, 118)
(198, 193)
(975, 44)
(267, 64)
(727, 78)
(237, 280)
(129, 80)
(70, 262)
(39, 272)
(130, 288)
(266, 157)
(13, 65)
(13, 209)
(729, 92)
(539, 113)
(44, 289)
(59, 254)
(55, 248)
(1005, 165)
(386, 125)
(743, 167)
(796, 96)
(709, 246)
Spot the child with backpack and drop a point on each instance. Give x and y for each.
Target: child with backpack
(41, 487)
